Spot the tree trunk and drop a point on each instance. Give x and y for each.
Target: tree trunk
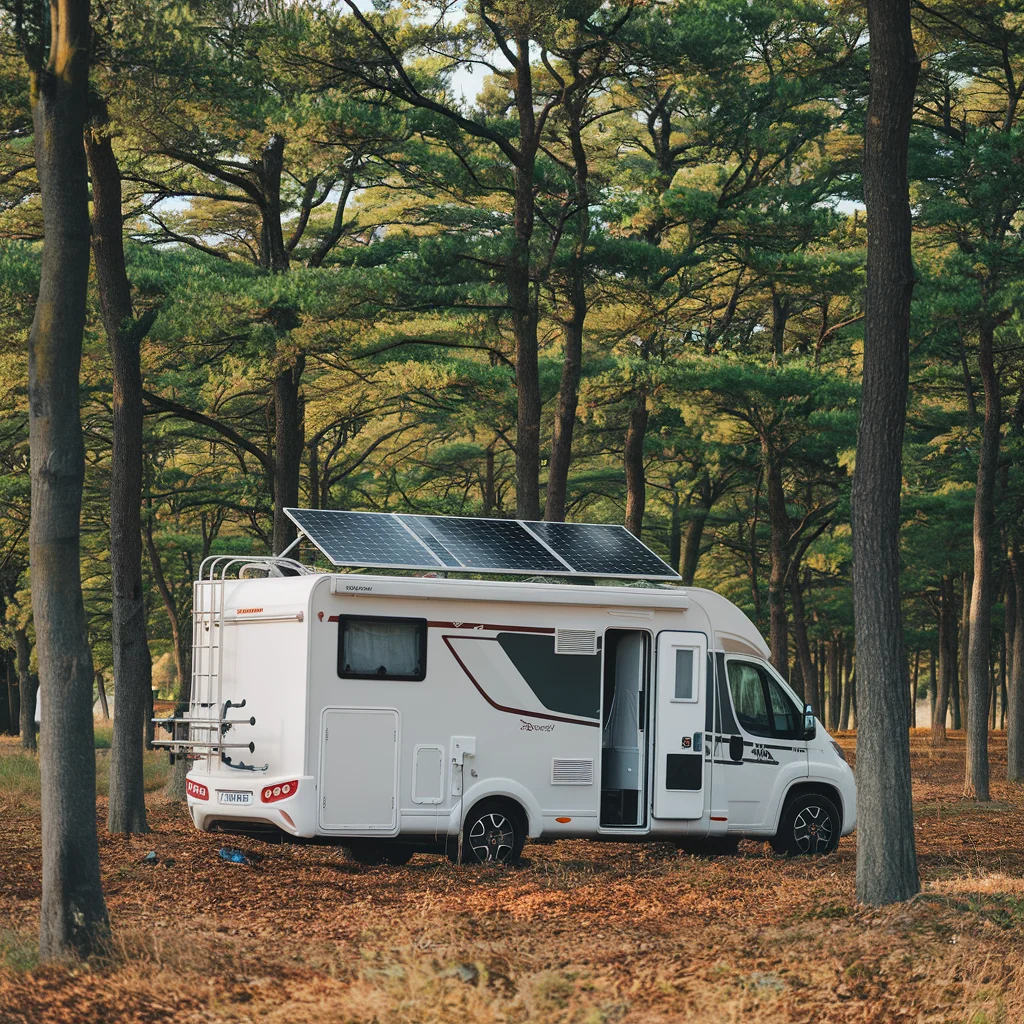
(636, 483)
(886, 857)
(13, 704)
(1009, 636)
(28, 683)
(803, 647)
(979, 655)
(844, 714)
(834, 686)
(965, 637)
(273, 254)
(521, 301)
(1015, 688)
(695, 531)
(568, 391)
(133, 668)
(73, 914)
(101, 692)
(6, 726)
(778, 524)
(947, 661)
(289, 440)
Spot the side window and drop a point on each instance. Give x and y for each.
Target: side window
(785, 719)
(747, 691)
(382, 648)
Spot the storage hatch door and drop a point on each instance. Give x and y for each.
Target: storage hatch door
(359, 770)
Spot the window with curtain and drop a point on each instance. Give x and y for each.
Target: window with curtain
(747, 689)
(382, 648)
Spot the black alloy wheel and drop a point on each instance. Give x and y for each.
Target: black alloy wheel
(493, 835)
(810, 826)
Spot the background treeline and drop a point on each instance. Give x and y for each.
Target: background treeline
(539, 259)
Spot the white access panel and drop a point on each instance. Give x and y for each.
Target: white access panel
(359, 770)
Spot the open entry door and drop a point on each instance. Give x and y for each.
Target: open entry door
(679, 725)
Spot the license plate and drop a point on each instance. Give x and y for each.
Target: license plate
(234, 796)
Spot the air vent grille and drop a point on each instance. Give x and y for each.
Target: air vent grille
(572, 771)
(575, 641)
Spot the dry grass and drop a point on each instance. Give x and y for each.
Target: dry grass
(583, 933)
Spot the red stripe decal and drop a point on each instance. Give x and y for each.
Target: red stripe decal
(492, 627)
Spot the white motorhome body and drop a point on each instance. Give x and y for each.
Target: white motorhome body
(413, 711)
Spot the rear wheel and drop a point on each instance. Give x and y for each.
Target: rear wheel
(494, 834)
(810, 825)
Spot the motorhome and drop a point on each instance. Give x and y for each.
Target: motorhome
(400, 713)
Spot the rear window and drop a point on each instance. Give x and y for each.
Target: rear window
(382, 648)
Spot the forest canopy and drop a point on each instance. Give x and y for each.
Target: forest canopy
(602, 262)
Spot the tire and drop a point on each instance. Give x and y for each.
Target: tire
(810, 826)
(380, 853)
(493, 834)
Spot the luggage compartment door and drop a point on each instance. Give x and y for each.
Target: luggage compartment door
(359, 770)
(679, 776)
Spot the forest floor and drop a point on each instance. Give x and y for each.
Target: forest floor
(583, 932)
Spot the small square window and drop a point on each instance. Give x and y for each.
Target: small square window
(684, 675)
(382, 648)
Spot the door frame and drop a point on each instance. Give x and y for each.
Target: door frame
(645, 798)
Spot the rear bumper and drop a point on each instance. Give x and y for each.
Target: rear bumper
(295, 814)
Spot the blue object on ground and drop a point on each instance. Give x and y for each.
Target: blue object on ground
(233, 856)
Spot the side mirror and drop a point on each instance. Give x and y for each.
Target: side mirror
(736, 748)
(810, 727)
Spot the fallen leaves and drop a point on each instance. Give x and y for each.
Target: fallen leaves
(588, 932)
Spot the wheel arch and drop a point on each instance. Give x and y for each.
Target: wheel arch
(804, 786)
(519, 798)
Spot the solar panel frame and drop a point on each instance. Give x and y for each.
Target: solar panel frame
(428, 534)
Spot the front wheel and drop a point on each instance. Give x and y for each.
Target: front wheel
(810, 824)
(493, 835)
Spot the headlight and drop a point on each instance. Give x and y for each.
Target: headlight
(839, 750)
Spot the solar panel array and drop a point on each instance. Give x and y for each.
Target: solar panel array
(385, 540)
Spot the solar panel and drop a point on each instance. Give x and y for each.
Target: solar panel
(486, 545)
(602, 550)
(364, 538)
(450, 543)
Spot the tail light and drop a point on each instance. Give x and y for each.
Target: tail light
(196, 790)
(279, 791)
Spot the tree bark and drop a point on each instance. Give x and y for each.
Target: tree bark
(73, 914)
(778, 524)
(695, 530)
(1015, 687)
(844, 714)
(520, 294)
(289, 440)
(572, 361)
(947, 660)
(29, 685)
(13, 704)
(886, 856)
(803, 647)
(133, 667)
(636, 482)
(965, 646)
(976, 776)
(101, 693)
